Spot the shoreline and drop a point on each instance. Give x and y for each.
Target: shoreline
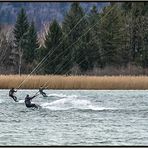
(75, 82)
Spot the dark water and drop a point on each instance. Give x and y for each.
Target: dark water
(70, 117)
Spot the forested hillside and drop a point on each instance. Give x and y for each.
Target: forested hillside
(40, 12)
(113, 41)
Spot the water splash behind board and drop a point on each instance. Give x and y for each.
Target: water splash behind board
(71, 102)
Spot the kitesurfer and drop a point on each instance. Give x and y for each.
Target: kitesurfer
(41, 92)
(28, 101)
(11, 94)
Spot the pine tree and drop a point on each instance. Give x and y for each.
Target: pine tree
(126, 6)
(135, 30)
(134, 26)
(110, 35)
(31, 44)
(53, 46)
(20, 32)
(94, 15)
(75, 25)
(20, 28)
(93, 45)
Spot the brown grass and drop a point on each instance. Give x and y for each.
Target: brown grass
(75, 82)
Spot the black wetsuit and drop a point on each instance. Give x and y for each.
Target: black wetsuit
(28, 102)
(11, 94)
(42, 93)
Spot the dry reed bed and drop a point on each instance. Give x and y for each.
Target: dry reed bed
(75, 82)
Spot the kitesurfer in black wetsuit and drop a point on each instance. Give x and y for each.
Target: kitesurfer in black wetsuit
(11, 94)
(28, 101)
(41, 92)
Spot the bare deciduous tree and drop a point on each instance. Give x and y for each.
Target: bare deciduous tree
(8, 56)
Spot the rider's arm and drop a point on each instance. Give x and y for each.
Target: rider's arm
(33, 97)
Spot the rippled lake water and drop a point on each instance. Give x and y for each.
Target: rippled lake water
(75, 117)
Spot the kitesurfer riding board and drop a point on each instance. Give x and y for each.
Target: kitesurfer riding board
(28, 102)
(41, 92)
(11, 94)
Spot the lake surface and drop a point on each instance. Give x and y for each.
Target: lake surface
(75, 117)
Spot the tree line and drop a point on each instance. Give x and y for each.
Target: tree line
(116, 36)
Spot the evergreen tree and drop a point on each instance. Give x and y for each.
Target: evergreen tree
(31, 44)
(20, 28)
(93, 44)
(75, 25)
(134, 18)
(94, 15)
(136, 14)
(126, 6)
(110, 35)
(20, 32)
(53, 46)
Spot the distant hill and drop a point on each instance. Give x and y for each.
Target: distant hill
(40, 12)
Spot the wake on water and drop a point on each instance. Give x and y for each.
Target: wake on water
(57, 95)
(71, 102)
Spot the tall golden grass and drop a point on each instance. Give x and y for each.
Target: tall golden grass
(74, 82)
